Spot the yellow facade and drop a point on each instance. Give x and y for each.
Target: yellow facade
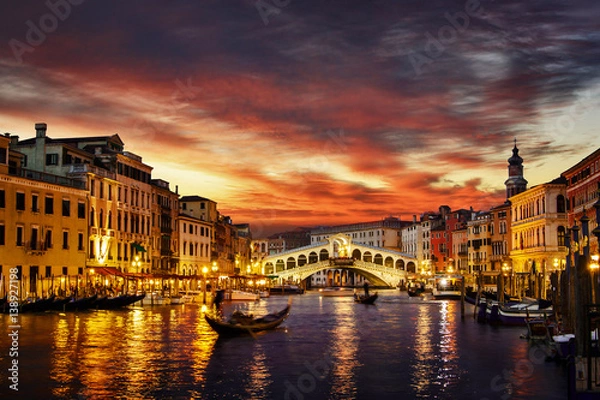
(43, 230)
(538, 226)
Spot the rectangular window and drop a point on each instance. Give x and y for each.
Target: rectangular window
(80, 210)
(52, 159)
(65, 271)
(66, 208)
(109, 192)
(2, 236)
(19, 236)
(33, 240)
(65, 241)
(101, 189)
(2, 198)
(3, 157)
(48, 271)
(48, 239)
(35, 206)
(80, 241)
(20, 201)
(49, 205)
(92, 187)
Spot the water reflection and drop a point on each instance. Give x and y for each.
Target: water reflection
(259, 375)
(447, 374)
(343, 351)
(422, 374)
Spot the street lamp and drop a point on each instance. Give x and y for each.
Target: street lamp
(214, 270)
(506, 272)
(204, 271)
(136, 263)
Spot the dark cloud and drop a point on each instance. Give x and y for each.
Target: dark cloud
(340, 104)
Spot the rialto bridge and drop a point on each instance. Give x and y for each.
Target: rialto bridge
(379, 265)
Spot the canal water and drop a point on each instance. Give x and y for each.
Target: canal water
(328, 348)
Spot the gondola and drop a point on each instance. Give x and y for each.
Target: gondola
(73, 304)
(242, 324)
(112, 303)
(364, 299)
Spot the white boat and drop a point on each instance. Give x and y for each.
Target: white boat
(240, 295)
(156, 298)
(446, 287)
(264, 294)
(191, 296)
(336, 292)
(176, 299)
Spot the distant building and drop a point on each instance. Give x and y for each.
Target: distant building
(385, 233)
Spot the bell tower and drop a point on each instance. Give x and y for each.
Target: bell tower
(515, 183)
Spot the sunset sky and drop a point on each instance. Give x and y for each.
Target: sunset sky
(295, 113)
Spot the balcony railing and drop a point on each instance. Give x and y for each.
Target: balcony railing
(49, 178)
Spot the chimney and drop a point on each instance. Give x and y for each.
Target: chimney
(40, 130)
(414, 219)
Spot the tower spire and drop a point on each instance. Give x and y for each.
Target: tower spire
(515, 183)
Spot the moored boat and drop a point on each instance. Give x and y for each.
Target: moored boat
(242, 324)
(240, 295)
(336, 292)
(286, 289)
(517, 313)
(111, 303)
(447, 287)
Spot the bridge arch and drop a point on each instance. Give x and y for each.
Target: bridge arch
(378, 259)
(400, 264)
(291, 263)
(340, 257)
(323, 255)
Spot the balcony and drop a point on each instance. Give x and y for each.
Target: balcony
(35, 248)
(49, 178)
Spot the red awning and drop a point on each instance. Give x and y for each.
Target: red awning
(112, 271)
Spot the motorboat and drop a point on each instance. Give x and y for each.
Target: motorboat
(447, 287)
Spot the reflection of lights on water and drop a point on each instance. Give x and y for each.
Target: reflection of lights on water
(260, 377)
(422, 375)
(344, 350)
(436, 363)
